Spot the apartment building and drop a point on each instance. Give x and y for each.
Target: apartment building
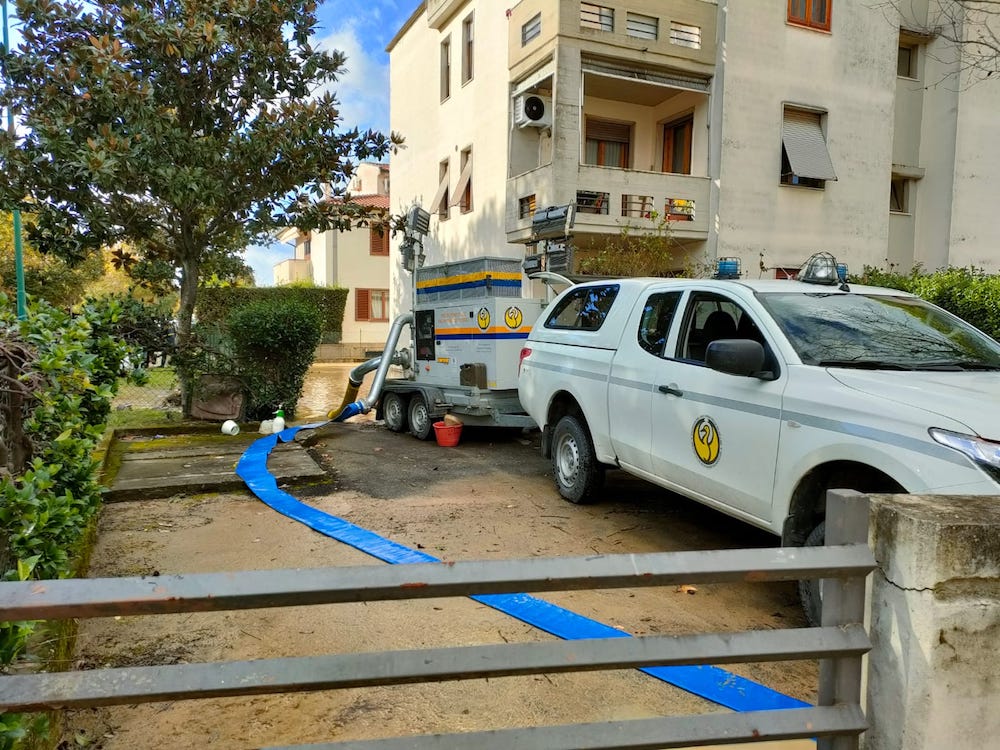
(764, 131)
(357, 260)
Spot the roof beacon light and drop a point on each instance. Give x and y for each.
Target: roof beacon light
(728, 268)
(823, 268)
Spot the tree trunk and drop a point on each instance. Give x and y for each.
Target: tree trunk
(189, 293)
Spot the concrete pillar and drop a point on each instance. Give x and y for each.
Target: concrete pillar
(934, 669)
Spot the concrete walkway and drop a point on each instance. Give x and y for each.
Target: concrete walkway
(158, 466)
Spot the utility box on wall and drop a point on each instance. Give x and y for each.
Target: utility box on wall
(471, 322)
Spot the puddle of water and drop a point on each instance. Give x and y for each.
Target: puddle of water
(324, 389)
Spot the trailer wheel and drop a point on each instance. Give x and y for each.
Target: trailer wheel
(577, 473)
(420, 418)
(394, 411)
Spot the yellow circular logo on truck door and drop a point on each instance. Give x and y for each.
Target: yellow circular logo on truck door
(483, 318)
(705, 437)
(513, 317)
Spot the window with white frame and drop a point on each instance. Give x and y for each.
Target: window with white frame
(446, 68)
(439, 205)
(468, 44)
(805, 159)
(463, 190)
(899, 195)
(531, 29)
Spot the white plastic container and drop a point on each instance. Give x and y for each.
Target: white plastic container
(229, 427)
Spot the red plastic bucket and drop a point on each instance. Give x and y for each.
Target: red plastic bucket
(447, 434)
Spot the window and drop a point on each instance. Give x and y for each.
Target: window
(654, 325)
(467, 48)
(642, 27)
(805, 160)
(585, 308)
(307, 248)
(677, 145)
(526, 207)
(906, 62)
(712, 317)
(685, 35)
(531, 29)
(445, 68)
(463, 190)
(439, 205)
(597, 17)
(371, 304)
(812, 13)
(607, 143)
(899, 195)
(378, 239)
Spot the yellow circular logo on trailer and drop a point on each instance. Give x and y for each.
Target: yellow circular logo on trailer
(483, 318)
(705, 437)
(513, 317)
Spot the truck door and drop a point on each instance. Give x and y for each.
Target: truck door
(630, 388)
(714, 435)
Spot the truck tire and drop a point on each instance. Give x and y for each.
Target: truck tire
(419, 417)
(577, 473)
(810, 590)
(394, 411)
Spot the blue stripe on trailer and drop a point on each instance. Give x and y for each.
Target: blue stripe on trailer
(480, 336)
(468, 285)
(712, 683)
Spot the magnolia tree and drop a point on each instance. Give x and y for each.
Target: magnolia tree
(187, 130)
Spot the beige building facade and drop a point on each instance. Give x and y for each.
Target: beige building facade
(764, 131)
(357, 260)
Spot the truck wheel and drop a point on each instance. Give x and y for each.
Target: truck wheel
(419, 417)
(810, 591)
(394, 411)
(577, 473)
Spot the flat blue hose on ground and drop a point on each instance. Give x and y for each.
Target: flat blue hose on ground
(711, 683)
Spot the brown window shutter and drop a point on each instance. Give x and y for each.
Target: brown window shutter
(378, 244)
(362, 304)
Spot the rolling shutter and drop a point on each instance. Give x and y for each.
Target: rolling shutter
(805, 146)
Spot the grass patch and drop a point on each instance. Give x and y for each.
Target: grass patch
(136, 418)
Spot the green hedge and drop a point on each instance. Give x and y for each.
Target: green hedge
(46, 510)
(970, 293)
(215, 304)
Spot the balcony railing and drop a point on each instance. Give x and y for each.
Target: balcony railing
(292, 270)
(607, 199)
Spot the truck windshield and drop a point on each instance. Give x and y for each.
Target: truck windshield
(877, 331)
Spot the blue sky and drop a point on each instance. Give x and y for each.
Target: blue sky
(360, 29)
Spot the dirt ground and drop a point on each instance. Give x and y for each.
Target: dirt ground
(491, 497)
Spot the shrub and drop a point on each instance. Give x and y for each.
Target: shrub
(969, 293)
(47, 507)
(215, 305)
(275, 343)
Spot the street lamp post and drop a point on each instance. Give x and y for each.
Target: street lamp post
(18, 249)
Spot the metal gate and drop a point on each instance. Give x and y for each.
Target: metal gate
(839, 643)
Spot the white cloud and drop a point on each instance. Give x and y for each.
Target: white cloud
(363, 89)
(263, 258)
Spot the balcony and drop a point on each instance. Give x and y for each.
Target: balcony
(292, 270)
(439, 11)
(607, 199)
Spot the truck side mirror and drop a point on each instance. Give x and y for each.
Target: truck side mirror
(736, 357)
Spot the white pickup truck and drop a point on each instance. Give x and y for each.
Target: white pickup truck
(755, 397)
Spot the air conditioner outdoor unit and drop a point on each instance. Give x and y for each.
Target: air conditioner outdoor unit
(532, 111)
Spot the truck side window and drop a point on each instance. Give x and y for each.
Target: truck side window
(583, 309)
(654, 325)
(710, 317)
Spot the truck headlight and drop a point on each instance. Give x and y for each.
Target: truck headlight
(985, 453)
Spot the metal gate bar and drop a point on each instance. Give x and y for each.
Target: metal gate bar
(253, 589)
(839, 645)
(127, 685)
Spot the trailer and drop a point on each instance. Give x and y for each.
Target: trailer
(468, 324)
